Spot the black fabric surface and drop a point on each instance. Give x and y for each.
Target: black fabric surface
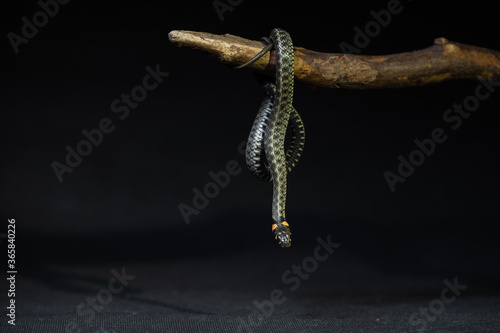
(215, 293)
(118, 211)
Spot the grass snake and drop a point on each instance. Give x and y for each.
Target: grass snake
(265, 152)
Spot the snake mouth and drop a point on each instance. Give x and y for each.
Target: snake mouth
(282, 234)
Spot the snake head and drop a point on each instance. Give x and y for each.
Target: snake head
(282, 233)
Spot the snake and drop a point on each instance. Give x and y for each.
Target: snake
(265, 154)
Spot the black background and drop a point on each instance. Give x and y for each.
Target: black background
(120, 205)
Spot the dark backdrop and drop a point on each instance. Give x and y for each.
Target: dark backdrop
(120, 205)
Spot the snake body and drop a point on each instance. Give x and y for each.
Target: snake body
(265, 154)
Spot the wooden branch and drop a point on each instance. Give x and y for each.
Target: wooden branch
(445, 60)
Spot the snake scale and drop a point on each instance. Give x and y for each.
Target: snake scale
(265, 153)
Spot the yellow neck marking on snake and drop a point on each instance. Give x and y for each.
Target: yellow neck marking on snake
(275, 225)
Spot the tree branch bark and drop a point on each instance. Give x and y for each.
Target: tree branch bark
(445, 60)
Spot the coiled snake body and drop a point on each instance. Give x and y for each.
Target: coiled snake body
(265, 153)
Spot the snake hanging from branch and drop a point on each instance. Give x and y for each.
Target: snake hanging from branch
(265, 153)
